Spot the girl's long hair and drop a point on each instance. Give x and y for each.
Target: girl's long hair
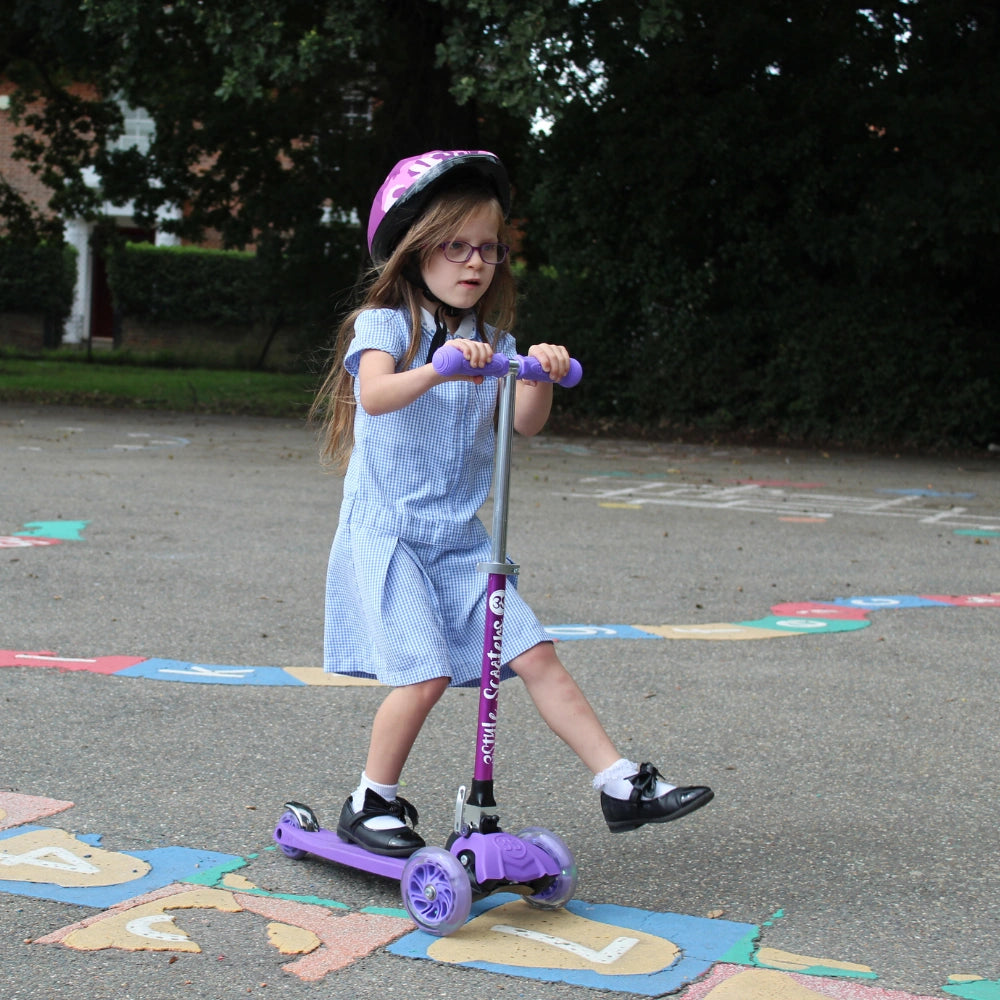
(389, 288)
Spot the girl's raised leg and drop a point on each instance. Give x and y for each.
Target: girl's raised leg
(631, 794)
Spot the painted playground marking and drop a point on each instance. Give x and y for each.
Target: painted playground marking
(842, 614)
(788, 501)
(600, 946)
(42, 533)
(143, 898)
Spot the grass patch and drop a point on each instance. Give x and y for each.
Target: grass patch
(199, 390)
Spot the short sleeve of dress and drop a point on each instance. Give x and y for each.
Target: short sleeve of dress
(378, 330)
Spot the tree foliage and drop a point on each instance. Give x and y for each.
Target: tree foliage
(785, 221)
(768, 216)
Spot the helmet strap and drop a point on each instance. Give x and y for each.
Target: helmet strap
(411, 272)
(440, 335)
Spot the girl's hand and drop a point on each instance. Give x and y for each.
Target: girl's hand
(554, 359)
(475, 352)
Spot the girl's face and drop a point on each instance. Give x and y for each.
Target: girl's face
(463, 285)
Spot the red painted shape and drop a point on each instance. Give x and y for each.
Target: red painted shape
(17, 809)
(26, 541)
(46, 658)
(785, 484)
(966, 600)
(816, 609)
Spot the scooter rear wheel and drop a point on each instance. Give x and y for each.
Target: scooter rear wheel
(561, 891)
(288, 819)
(436, 891)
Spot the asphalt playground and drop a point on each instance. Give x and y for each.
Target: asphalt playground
(812, 634)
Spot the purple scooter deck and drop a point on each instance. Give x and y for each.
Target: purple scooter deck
(327, 845)
(498, 855)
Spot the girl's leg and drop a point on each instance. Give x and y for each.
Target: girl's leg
(374, 817)
(631, 795)
(564, 707)
(396, 726)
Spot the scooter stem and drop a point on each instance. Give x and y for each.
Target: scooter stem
(481, 793)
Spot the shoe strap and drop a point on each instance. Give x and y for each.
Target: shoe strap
(644, 783)
(376, 805)
(403, 810)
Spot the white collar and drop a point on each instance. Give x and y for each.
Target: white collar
(466, 328)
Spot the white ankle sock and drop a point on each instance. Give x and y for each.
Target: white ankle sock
(613, 781)
(388, 792)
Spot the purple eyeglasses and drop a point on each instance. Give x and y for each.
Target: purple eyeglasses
(458, 251)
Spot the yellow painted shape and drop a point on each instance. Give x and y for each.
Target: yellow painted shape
(237, 882)
(318, 676)
(716, 631)
(149, 927)
(290, 940)
(622, 506)
(54, 857)
(762, 984)
(516, 934)
(799, 963)
(964, 977)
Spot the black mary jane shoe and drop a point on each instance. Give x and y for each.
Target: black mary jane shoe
(399, 842)
(641, 808)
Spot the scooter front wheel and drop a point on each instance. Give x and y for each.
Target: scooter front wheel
(560, 892)
(436, 891)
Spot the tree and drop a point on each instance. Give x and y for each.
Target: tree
(266, 112)
(765, 215)
(275, 117)
(787, 214)
(67, 124)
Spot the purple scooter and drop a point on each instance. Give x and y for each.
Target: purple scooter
(439, 884)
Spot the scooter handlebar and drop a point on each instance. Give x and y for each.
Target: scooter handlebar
(449, 361)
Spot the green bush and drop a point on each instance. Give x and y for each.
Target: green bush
(291, 295)
(196, 285)
(37, 279)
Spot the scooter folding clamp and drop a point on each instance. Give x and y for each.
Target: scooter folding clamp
(469, 818)
(500, 569)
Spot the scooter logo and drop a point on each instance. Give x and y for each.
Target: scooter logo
(497, 601)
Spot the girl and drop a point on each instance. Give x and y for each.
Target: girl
(404, 602)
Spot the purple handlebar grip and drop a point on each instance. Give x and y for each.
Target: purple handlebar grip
(531, 368)
(449, 361)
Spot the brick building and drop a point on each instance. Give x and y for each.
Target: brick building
(91, 316)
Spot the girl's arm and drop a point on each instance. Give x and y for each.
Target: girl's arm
(533, 401)
(384, 390)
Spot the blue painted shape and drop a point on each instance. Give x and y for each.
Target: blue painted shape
(168, 864)
(569, 632)
(796, 625)
(210, 673)
(888, 602)
(928, 493)
(976, 989)
(702, 943)
(978, 532)
(67, 531)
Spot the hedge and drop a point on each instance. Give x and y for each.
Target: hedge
(171, 284)
(37, 279)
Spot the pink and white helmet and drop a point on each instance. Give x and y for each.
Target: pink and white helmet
(412, 183)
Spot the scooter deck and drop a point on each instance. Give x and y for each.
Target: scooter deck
(327, 845)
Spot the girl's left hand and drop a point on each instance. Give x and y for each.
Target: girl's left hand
(477, 353)
(554, 359)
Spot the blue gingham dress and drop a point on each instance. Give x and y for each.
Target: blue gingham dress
(404, 600)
